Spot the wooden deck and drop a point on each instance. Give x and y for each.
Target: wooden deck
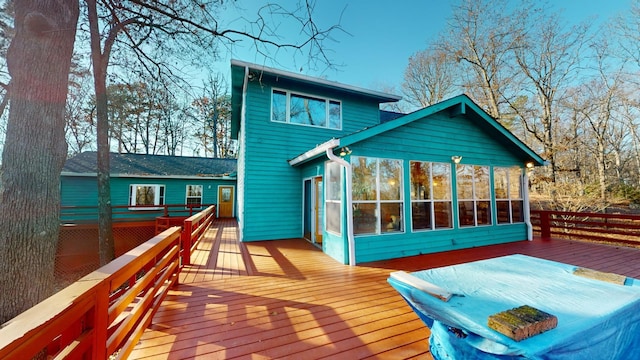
(288, 300)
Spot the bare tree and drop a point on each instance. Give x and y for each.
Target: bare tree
(627, 27)
(146, 30)
(430, 77)
(481, 36)
(79, 124)
(596, 102)
(39, 62)
(213, 108)
(548, 55)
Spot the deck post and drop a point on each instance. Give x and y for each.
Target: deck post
(545, 225)
(187, 229)
(101, 321)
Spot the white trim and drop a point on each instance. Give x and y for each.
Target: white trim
(349, 199)
(289, 93)
(431, 201)
(318, 150)
(242, 157)
(157, 204)
(138, 176)
(291, 75)
(525, 204)
(186, 195)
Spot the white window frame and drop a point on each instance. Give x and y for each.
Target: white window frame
(337, 200)
(431, 201)
(509, 199)
(187, 197)
(158, 201)
(474, 197)
(378, 202)
(327, 101)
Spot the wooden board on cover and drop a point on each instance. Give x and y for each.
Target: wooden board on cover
(522, 322)
(599, 275)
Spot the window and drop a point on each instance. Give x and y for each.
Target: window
(377, 195)
(430, 196)
(508, 189)
(474, 195)
(292, 108)
(194, 196)
(148, 195)
(333, 197)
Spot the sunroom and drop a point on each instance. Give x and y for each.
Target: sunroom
(445, 177)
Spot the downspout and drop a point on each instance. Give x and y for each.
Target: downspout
(526, 208)
(241, 154)
(349, 224)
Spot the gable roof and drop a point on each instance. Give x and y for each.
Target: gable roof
(458, 105)
(258, 72)
(152, 165)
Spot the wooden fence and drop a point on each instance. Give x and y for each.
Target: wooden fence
(104, 314)
(611, 228)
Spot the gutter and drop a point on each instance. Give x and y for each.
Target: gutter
(318, 150)
(349, 224)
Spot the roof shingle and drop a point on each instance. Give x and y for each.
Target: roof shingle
(159, 165)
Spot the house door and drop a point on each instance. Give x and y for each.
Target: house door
(312, 208)
(225, 201)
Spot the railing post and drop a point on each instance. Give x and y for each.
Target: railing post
(101, 321)
(545, 225)
(186, 242)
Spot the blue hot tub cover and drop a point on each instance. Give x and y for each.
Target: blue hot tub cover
(596, 319)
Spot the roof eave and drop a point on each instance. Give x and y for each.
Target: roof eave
(315, 152)
(377, 95)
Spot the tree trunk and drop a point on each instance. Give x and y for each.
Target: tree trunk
(106, 246)
(39, 61)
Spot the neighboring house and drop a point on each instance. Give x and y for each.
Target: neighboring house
(318, 159)
(151, 181)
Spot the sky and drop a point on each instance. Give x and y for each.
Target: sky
(379, 38)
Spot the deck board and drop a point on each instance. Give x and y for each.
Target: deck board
(288, 300)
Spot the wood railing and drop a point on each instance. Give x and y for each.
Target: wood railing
(612, 228)
(104, 314)
(83, 214)
(193, 229)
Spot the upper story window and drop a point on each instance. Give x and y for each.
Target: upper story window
(294, 108)
(474, 195)
(147, 196)
(508, 189)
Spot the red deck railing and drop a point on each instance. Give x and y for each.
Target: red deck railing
(104, 314)
(84, 214)
(612, 228)
(194, 228)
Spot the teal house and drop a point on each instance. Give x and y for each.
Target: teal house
(143, 185)
(319, 159)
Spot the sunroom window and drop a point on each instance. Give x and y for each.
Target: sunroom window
(474, 195)
(333, 197)
(430, 195)
(377, 195)
(146, 196)
(508, 189)
(300, 109)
